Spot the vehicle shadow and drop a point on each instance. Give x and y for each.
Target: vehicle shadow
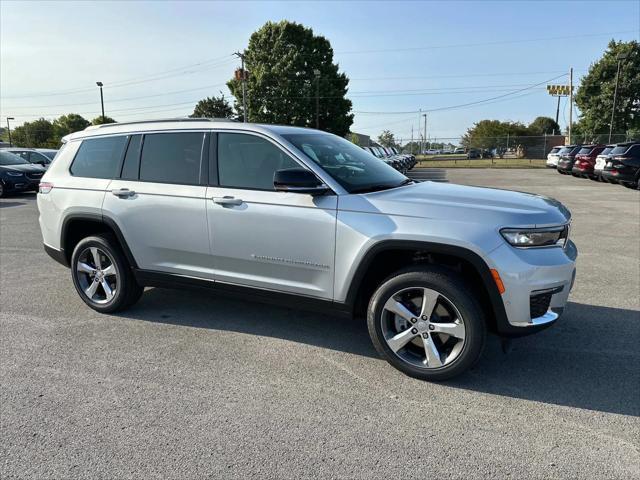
(588, 360)
(17, 199)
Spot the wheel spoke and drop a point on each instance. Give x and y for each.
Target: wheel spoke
(85, 268)
(429, 302)
(107, 289)
(110, 270)
(401, 339)
(91, 290)
(431, 352)
(456, 330)
(95, 253)
(397, 308)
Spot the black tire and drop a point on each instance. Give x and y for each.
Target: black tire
(448, 284)
(127, 291)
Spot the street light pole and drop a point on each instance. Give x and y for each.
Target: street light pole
(9, 129)
(425, 129)
(316, 72)
(244, 80)
(615, 94)
(99, 84)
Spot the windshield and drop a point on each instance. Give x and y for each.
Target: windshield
(620, 149)
(8, 158)
(50, 154)
(555, 150)
(353, 168)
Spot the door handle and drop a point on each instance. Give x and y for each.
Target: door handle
(227, 201)
(123, 192)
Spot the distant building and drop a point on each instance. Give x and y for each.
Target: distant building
(359, 139)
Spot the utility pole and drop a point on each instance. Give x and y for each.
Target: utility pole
(420, 148)
(316, 73)
(99, 84)
(425, 127)
(411, 140)
(570, 102)
(558, 111)
(243, 77)
(9, 129)
(615, 94)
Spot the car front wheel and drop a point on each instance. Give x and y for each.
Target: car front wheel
(427, 323)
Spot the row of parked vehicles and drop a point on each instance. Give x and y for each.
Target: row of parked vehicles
(22, 168)
(403, 162)
(616, 163)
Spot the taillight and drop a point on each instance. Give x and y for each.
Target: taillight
(45, 187)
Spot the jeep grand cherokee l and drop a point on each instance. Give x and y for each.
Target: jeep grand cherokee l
(295, 215)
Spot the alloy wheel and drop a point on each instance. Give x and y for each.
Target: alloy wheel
(97, 275)
(423, 327)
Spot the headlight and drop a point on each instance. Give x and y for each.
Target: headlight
(15, 174)
(536, 237)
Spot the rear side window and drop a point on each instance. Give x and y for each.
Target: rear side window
(172, 158)
(98, 157)
(248, 161)
(585, 150)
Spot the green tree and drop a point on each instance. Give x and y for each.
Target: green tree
(594, 97)
(494, 134)
(100, 120)
(37, 134)
(70, 123)
(544, 125)
(387, 139)
(282, 59)
(213, 107)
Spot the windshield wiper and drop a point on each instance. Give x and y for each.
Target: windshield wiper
(376, 188)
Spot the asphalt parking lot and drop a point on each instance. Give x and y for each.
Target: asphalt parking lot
(188, 385)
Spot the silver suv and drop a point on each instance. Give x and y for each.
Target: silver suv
(299, 216)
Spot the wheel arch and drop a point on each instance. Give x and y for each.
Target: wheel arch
(388, 256)
(77, 226)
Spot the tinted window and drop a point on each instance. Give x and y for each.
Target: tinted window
(50, 154)
(171, 158)
(352, 168)
(37, 157)
(620, 149)
(132, 159)
(606, 151)
(248, 161)
(585, 150)
(555, 150)
(98, 157)
(8, 158)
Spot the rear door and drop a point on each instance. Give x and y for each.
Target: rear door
(158, 202)
(262, 238)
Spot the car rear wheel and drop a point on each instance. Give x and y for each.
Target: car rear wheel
(101, 274)
(427, 323)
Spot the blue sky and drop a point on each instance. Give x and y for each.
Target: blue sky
(157, 59)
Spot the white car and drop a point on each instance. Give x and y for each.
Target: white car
(601, 161)
(553, 156)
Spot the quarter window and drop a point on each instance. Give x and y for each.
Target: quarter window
(248, 161)
(172, 158)
(98, 157)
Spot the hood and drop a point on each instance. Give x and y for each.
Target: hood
(26, 168)
(450, 202)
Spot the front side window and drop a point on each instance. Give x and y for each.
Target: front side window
(248, 161)
(98, 157)
(171, 158)
(354, 169)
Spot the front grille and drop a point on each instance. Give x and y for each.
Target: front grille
(34, 176)
(539, 304)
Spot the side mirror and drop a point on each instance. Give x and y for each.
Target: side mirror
(298, 180)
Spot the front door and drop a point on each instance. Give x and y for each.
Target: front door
(263, 238)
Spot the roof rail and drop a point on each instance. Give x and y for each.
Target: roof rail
(162, 120)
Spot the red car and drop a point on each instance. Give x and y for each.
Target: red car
(586, 160)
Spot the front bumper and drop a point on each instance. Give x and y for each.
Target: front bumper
(534, 277)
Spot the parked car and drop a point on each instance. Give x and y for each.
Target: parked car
(304, 217)
(31, 155)
(474, 153)
(601, 160)
(585, 160)
(18, 175)
(567, 158)
(623, 165)
(459, 150)
(49, 152)
(486, 153)
(553, 156)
